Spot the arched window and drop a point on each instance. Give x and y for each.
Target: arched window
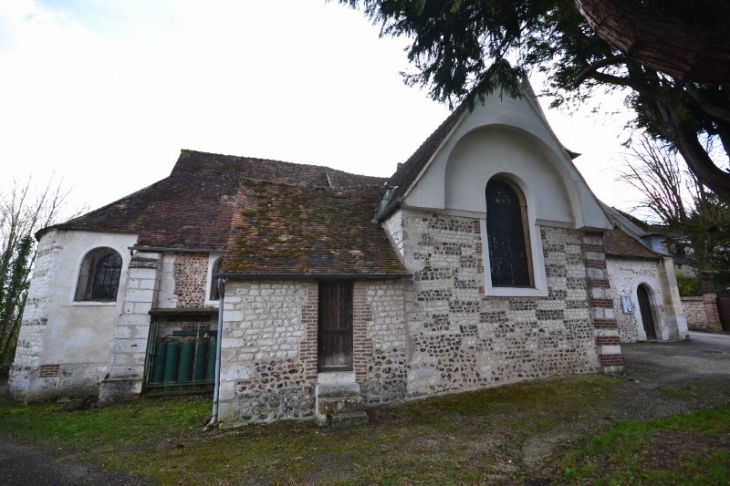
(507, 235)
(214, 293)
(99, 276)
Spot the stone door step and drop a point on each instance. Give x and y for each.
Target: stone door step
(340, 404)
(348, 419)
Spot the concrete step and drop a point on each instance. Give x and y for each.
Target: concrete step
(348, 419)
(340, 404)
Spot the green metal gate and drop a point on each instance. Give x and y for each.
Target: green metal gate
(181, 350)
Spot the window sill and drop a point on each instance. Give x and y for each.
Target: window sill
(515, 292)
(91, 303)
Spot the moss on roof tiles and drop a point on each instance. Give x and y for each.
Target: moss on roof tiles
(619, 244)
(287, 229)
(270, 217)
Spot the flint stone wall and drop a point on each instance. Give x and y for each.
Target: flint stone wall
(460, 340)
(269, 348)
(625, 276)
(183, 280)
(694, 310)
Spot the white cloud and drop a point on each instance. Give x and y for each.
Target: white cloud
(107, 96)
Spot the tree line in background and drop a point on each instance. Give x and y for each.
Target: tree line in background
(696, 220)
(23, 211)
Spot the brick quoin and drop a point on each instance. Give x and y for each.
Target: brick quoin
(603, 303)
(598, 284)
(49, 371)
(611, 359)
(597, 306)
(362, 346)
(308, 345)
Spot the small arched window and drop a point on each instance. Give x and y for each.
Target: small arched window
(214, 293)
(508, 235)
(99, 276)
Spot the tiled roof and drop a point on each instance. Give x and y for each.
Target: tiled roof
(284, 229)
(210, 201)
(619, 244)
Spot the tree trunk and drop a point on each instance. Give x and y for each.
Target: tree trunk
(686, 52)
(663, 112)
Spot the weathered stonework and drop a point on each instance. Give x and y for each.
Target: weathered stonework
(712, 316)
(129, 346)
(183, 280)
(459, 339)
(694, 310)
(626, 276)
(64, 345)
(25, 378)
(263, 374)
(600, 301)
(269, 355)
(657, 277)
(383, 379)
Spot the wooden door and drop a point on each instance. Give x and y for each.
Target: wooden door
(335, 326)
(647, 318)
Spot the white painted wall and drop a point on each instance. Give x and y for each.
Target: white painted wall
(81, 332)
(507, 136)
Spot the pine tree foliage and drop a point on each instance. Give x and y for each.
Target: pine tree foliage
(458, 49)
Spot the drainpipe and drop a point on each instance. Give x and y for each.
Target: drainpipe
(219, 340)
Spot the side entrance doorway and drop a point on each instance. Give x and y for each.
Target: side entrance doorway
(647, 317)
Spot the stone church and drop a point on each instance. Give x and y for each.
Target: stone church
(479, 262)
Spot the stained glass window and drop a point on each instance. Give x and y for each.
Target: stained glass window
(507, 235)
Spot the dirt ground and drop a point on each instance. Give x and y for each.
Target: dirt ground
(660, 380)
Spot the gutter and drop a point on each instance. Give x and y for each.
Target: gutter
(156, 249)
(315, 276)
(388, 210)
(218, 346)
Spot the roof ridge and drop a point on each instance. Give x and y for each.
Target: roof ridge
(259, 159)
(329, 186)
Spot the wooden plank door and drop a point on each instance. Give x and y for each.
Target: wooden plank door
(335, 326)
(647, 318)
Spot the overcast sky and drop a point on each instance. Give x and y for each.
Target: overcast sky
(105, 94)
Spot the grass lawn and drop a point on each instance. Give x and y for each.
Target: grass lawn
(472, 438)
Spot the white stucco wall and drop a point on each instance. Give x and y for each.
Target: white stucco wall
(57, 332)
(484, 153)
(81, 331)
(625, 276)
(507, 136)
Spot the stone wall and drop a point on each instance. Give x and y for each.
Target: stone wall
(131, 334)
(64, 344)
(383, 378)
(702, 312)
(694, 310)
(183, 280)
(269, 355)
(462, 340)
(25, 377)
(626, 275)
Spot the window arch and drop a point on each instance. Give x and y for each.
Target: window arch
(508, 237)
(216, 269)
(99, 276)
